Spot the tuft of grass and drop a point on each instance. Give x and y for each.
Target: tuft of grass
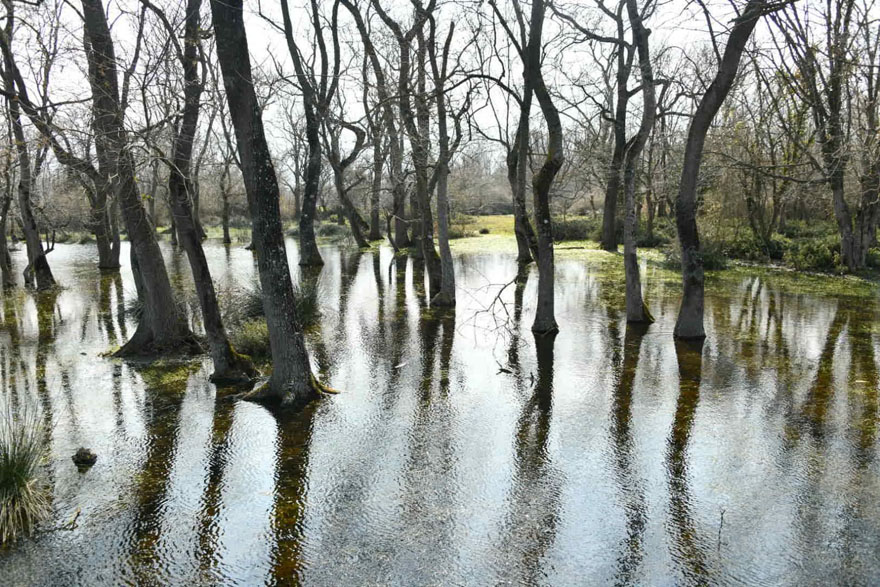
(252, 338)
(245, 320)
(24, 497)
(332, 231)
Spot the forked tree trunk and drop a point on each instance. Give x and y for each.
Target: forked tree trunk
(108, 255)
(690, 316)
(291, 380)
(162, 327)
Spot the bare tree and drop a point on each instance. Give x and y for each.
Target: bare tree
(636, 310)
(820, 70)
(37, 272)
(518, 150)
(545, 320)
(291, 380)
(318, 90)
(690, 316)
(162, 327)
(229, 366)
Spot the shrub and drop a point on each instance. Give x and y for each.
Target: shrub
(332, 231)
(712, 253)
(873, 259)
(459, 232)
(24, 499)
(574, 229)
(308, 309)
(461, 225)
(744, 246)
(657, 239)
(241, 306)
(816, 254)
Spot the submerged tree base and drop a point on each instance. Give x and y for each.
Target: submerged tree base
(145, 346)
(290, 395)
(443, 299)
(644, 316)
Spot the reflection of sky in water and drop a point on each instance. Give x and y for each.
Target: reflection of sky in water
(612, 454)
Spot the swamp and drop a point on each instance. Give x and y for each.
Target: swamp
(439, 292)
(462, 449)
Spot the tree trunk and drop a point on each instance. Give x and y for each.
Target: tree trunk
(608, 239)
(6, 279)
(108, 254)
(196, 206)
(446, 295)
(636, 310)
(162, 327)
(375, 192)
(517, 174)
(308, 246)
(37, 271)
(115, 239)
(224, 194)
(154, 187)
(545, 320)
(229, 366)
(624, 58)
(291, 380)
(690, 316)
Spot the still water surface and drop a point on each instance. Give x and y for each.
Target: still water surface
(462, 451)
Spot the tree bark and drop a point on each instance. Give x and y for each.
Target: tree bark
(545, 320)
(224, 195)
(162, 327)
(636, 310)
(6, 279)
(37, 271)
(229, 366)
(690, 316)
(517, 174)
(291, 380)
(376, 190)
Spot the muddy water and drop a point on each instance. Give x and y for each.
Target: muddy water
(462, 451)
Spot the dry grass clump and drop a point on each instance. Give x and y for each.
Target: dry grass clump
(24, 500)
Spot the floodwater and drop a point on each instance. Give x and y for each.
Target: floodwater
(460, 451)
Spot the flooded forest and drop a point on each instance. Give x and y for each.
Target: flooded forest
(439, 292)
